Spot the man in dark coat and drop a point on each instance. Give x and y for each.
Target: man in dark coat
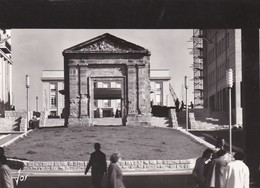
(98, 166)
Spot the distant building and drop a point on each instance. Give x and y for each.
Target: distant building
(53, 100)
(160, 87)
(52, 83)
(5, 72)
(222, 51)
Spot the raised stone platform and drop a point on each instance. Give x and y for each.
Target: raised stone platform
(128, 165)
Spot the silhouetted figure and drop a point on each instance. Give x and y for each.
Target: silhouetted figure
(220, 142)
(6, 180)
(199, 169)
(2, 151)
(182, 106)
(115, 176)
(98, 166)
(177, 105)
(191, 105)
(237, 173)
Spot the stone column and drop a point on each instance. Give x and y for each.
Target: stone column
(132, 97)
(74, 94)
(251, 97)
(143, 94)
(84, 93)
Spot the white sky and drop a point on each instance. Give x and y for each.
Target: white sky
(35, 50)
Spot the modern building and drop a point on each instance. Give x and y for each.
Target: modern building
(222, 51)
(53, 100)
(6, 93)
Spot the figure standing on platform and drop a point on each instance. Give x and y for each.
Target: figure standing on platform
(182, 106)
(177, 105)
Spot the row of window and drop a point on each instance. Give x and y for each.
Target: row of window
(219, 73)
(219, 48)
(107, 103)
(107, 84)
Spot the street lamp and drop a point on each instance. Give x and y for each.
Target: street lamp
(27, 84)
(229, 82)
(36, 103)
(187, 113)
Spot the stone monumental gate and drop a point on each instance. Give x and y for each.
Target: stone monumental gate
(107, 58)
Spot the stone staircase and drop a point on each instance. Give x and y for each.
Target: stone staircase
(202, 120)
(54, 122)
(159, 122)
(214, 118)
(107, 121)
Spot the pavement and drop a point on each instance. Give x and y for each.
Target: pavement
(146, 179)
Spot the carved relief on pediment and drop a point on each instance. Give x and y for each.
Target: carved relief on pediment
(104, 46)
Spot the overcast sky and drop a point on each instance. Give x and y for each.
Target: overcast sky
(35, 50)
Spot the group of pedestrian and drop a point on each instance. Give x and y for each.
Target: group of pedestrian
(98, 166)
(216, 169)
(181, 106)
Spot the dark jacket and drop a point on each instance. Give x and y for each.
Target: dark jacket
(97, 163)
(115, 177)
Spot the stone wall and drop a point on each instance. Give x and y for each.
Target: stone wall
(133, 165)
(13, 121)
(173, 118)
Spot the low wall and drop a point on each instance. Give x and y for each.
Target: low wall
(133, 165)
(13, 121)
(173, 118)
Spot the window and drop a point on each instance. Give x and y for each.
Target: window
(118, 103)
(53, 101)
(53, 87)
(106, 103)
(158, 93)
(117, 85)
(105, 85)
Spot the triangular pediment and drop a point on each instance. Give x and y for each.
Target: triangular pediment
(106, 43)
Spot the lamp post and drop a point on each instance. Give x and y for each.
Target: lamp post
(36, 103)
(229, 82)
(187, 109)
(27, 84)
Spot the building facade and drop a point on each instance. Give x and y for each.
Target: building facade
(6, 93)
(53, 100)
(160, 88)
(222, 51)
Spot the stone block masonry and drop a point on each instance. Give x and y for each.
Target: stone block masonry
(13, 121)
(128, 165)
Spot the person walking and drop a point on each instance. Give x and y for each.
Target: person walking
(115, 176)
(198, 171)
(237, 173)
(98, 166)
(6, 180)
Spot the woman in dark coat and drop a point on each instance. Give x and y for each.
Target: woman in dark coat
(115, 176)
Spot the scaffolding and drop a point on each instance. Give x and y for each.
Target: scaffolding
(197, 66)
